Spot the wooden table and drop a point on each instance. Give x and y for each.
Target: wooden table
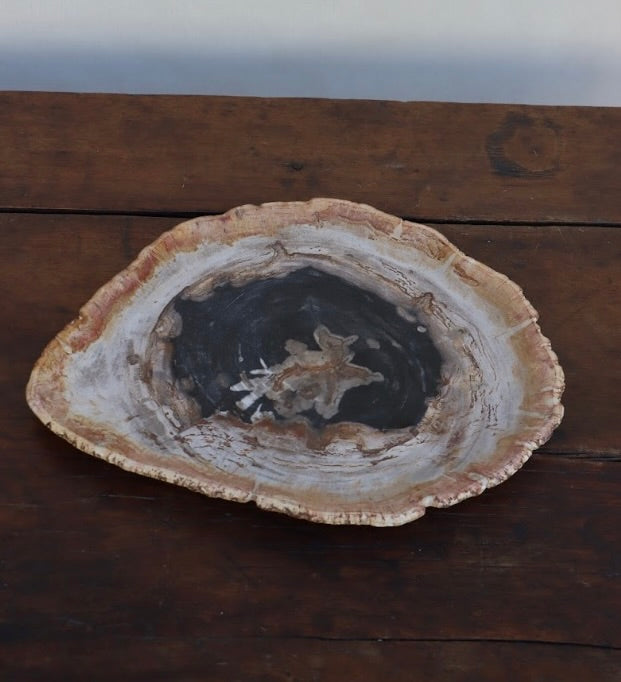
(106, 575)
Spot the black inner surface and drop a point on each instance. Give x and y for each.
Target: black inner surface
(237, 329)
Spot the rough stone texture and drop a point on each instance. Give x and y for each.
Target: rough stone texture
(106, 382)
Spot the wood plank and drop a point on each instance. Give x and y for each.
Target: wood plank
(270, 660)
(92, 552)
(163, 154)
(570, 274)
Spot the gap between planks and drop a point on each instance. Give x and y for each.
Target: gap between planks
(403, 640)
(192, 214)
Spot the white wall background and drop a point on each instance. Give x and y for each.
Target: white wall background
(530, 51)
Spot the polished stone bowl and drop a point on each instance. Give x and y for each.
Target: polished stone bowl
(321, 359)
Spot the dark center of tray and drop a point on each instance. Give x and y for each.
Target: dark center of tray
(308, 344)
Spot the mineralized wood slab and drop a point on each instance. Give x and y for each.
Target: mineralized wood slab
(321, 358)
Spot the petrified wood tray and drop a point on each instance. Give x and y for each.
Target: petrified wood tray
(322, 359)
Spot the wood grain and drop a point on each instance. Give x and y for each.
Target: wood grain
(570, 274)
(200, 658)
(94, 552)
(447, 162)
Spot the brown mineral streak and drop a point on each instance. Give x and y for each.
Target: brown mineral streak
(46, 388)
(461, 272)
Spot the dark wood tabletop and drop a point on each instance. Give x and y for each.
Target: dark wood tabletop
(106, 575)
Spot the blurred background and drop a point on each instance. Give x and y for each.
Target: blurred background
(531, 51)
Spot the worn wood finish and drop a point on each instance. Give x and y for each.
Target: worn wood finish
(570, 275)
(106, 573)
(435, 161)
(90, 551)
(300, 659)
